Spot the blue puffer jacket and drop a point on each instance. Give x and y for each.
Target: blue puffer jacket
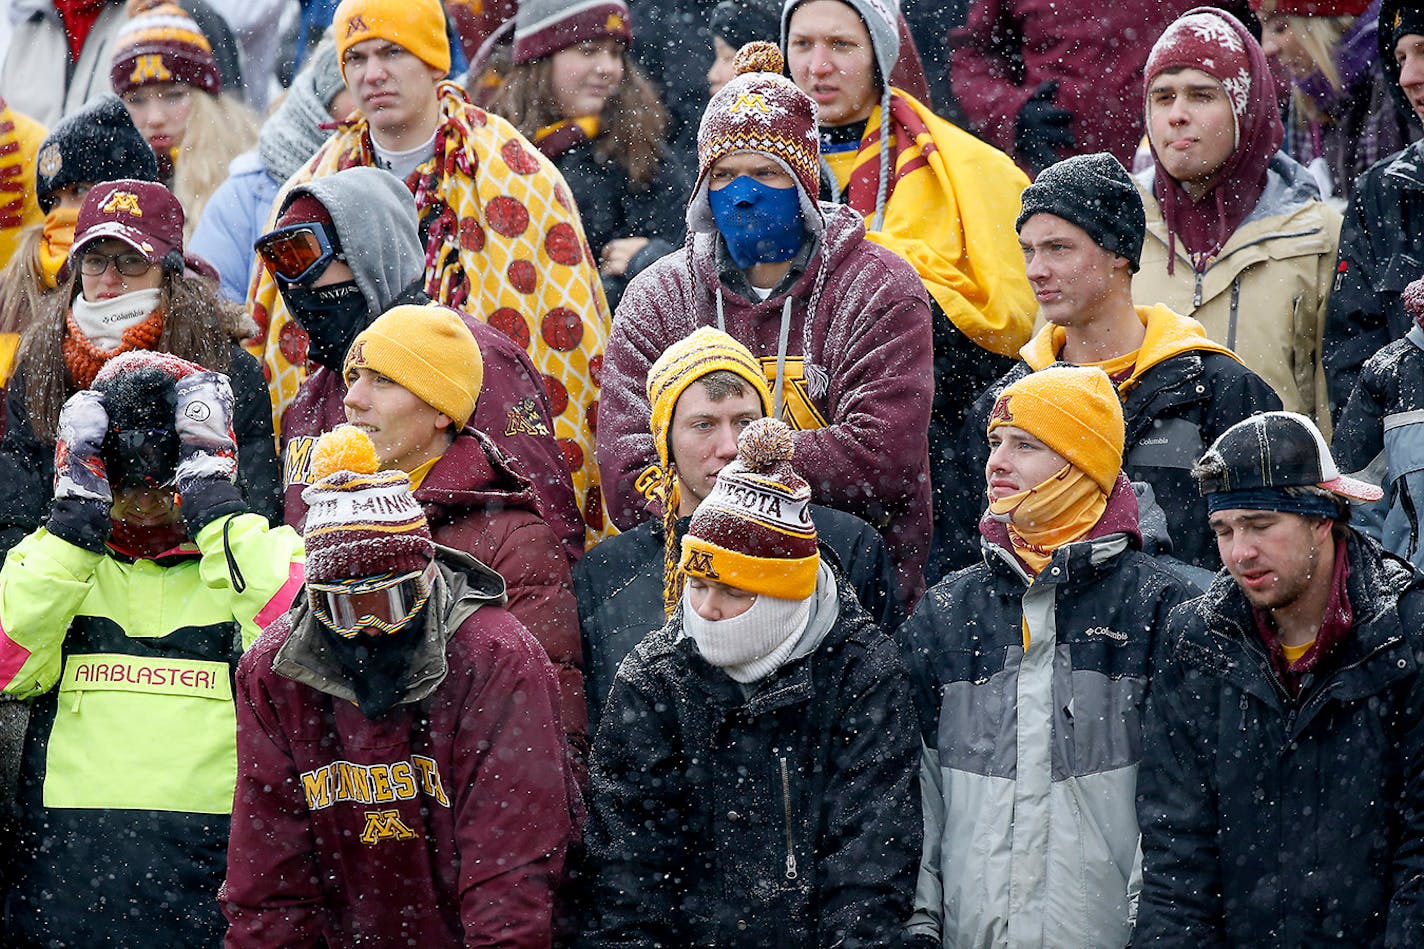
(234, 217)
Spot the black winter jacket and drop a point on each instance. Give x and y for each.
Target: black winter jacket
(1277, 823)
(619, 584)
(611, 206)
(27, 463)
(1381, 435)
(1172, 416)
(790, 818)
(1381, 253)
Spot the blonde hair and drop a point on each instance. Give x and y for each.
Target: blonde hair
(219, 129)
(22, 289)
(1320, 37)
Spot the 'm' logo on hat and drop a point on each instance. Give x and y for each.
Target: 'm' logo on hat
(122, 201)
(51, 160)
(1001, 412)
(150, 68)
(700, 562)
(614, 22)
(358, 354)
(751, 102)
(385, 825)
(357, 24)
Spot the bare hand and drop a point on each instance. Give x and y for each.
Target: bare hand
(618, 253)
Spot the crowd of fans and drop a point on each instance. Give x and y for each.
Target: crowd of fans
(661, 473)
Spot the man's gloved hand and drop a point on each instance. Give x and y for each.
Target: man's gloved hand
(82, 496)
(1042, 128)
(207, 449)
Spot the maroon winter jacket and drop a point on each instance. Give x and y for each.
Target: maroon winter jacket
(513, 410)
(477, 502)
(1095, 51)
(861, 402)
(442, 823)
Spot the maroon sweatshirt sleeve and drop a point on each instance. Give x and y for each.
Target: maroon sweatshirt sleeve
(872, 459)
(512, 790)
(625, 444)
(541, 596)
(982, 73)
(272, 895)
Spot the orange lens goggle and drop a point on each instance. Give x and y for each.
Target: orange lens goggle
(297, 252)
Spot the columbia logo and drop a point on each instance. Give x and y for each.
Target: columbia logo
(1109, 633)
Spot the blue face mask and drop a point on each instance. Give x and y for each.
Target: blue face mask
(761, 225)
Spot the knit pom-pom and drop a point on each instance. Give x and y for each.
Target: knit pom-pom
(1413, 299)
(344, 448)
(764, 444)
(758, 56)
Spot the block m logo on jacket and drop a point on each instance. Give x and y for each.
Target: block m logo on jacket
(385, 825)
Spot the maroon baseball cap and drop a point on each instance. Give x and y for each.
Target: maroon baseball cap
(144, 215)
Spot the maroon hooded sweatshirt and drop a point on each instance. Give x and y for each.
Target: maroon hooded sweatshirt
(513, 410)
(858, 375)
(442, 823)
(477, 502)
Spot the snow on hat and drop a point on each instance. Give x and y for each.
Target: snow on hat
(1095, 193)
(361, 522)
(754, 530)
(543, 27)
(98, 143)
(762, 111)
(1413, 300)
(161, 43)
(1273, 450)
(1202, 39)
(1074, 410)
(416, 26)
(143, 214)
(141, 446)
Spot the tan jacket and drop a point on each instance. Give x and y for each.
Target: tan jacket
(1265, 294)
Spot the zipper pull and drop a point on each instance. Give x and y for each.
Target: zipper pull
(791, 873)
(1197, 294)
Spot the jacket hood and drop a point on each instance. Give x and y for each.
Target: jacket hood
(1289, 186)
(1168, 334)
(1120, 517)
(473, 474)
(462, 586)
(376, 222)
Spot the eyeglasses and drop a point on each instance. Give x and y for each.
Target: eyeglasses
(93, 264)
(296, 253)
(386, 603)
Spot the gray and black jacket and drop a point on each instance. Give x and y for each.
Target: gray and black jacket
(1030, 766)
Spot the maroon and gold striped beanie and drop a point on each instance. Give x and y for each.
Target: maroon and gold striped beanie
(161, 43)
(754, 530)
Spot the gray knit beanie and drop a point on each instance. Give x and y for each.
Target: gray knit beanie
(1095, 193)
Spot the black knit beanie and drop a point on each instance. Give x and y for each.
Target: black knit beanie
(1095, 193)
(739, 22)
(98, 143)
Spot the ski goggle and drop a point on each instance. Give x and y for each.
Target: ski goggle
(382, 604)
(296, 252)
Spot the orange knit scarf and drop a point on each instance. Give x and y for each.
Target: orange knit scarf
(84, 359)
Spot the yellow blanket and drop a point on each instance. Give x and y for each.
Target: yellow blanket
(950, 212)
(505, 245)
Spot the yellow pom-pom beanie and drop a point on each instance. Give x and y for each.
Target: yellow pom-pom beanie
(1075, 410)
(417, 26)
(428, 350)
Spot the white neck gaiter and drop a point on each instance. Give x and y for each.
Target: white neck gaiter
(753, 645)
(103, 323)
